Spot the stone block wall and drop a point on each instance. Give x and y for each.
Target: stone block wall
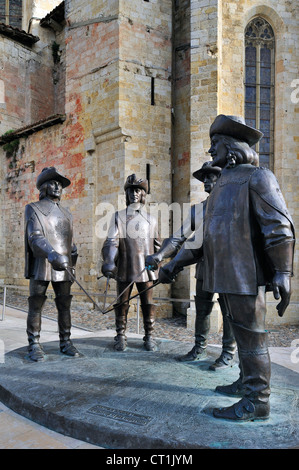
(145, 88)
(181, 144)
(282, 16)
(140, 84)
(13, 84)
(203, 103)
(105, 136)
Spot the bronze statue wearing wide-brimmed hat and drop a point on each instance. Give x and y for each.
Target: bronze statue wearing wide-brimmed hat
(208, 175)
(49, 250)
(248, 246)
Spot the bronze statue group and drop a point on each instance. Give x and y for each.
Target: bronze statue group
(244, 247)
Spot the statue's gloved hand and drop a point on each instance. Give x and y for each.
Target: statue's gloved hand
(168, 273)
(152, 262)
(109, 270)
(59, 262)
(282, 289)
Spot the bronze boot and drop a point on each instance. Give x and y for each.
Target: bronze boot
(63, 304)
(35, 306)
(229, 345)
(148, 311)
(256, 371)
(121, 316)
(204, 308)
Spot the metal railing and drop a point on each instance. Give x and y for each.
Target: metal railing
(50, 294)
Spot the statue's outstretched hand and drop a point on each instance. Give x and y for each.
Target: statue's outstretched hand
(152, 262)
(282, 289)
(168, 272)
(109, 270)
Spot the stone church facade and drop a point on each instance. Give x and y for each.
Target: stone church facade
(104, 89)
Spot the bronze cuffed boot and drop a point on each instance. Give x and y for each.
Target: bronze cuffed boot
(148, 311)
(256, 371)
(235, 389)
(229, 345)
(204, 308)
(121, 315)
(63, 304)
(35, 306)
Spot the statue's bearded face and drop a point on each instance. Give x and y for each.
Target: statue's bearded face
(54, 189)
(218, 150)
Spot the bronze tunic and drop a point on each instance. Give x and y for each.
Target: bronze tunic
(48, 227)
(245, 215)
(132, 236)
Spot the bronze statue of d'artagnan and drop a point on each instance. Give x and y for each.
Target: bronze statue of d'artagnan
(49, 251)
(193, 225)
(248, 247)
(133, 234)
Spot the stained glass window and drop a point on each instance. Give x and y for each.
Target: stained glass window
(259, 85)
(11, 13)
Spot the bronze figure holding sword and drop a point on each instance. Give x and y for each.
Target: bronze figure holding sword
(51, 256)
(133, 234)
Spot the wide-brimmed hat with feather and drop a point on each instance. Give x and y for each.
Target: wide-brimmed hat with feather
(133, 182)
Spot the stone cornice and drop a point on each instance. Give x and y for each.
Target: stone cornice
(110, 133)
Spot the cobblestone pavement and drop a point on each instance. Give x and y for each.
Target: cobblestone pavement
(86, 317)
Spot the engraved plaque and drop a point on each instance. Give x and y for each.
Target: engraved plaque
(120, 415)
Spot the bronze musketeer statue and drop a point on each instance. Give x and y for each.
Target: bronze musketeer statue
(188, 236)
(133, 234)
(49, 250)
(248, 247)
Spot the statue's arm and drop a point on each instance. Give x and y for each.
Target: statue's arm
(185, 257)
(278, 233)
(173, 244)
(110, 249)
(157, 239)
(40, 246)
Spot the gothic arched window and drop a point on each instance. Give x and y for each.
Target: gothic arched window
(259, 85)
(11, 13)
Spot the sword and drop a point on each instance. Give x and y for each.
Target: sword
(155, 283)
(81, 287)
(116, 299)
(105, 295)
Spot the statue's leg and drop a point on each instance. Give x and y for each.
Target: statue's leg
(63, 302)
(229, 345)
(149, 314)
(36, 301)
(121, 316)
(248, 324)
(204, 306)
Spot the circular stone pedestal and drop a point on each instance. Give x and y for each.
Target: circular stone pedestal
(143, 400)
